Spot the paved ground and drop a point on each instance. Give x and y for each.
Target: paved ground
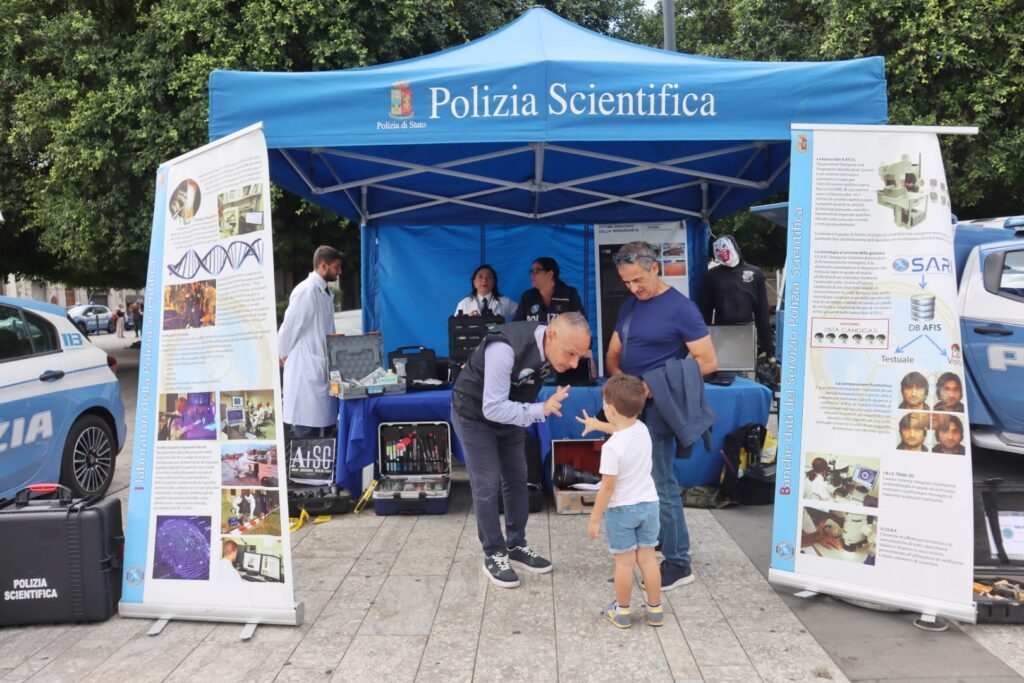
(404, 599)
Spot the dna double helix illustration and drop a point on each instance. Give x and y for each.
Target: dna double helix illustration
(217, 258)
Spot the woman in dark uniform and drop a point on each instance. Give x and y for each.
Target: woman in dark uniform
(549, 296)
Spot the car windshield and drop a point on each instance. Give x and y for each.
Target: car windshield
(77, 310)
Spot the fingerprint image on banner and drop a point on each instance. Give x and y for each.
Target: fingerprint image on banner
(182, 549)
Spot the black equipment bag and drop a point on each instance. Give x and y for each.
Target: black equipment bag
(318, 500)
(62, 558)
(744, 479)
(420, 367)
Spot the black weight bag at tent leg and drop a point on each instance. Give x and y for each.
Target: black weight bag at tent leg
(744, 479)
(61, 558)
(534, 476)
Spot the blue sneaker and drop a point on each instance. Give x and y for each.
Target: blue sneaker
(527, 559)
(619, 616)
(498, 570)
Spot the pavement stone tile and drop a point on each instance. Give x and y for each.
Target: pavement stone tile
(216, 662)
(384, 658)
(405, 606)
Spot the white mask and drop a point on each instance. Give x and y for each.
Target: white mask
(725, 252)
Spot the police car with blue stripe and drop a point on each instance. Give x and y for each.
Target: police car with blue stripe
(61, 414)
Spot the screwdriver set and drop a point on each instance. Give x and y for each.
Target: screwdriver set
(414, 460)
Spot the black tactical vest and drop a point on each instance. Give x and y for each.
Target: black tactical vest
(467, 395)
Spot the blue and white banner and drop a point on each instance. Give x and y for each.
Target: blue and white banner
(207, 530)
(874, 492)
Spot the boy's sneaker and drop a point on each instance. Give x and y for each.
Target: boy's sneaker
(655, 615)
(619, 616)
(673, 575)
(527, 559)
(498, 570)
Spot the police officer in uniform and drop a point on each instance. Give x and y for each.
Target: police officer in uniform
(735, 293)
(549, 296)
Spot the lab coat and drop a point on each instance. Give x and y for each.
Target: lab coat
(302, 341)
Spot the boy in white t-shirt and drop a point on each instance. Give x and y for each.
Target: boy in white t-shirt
(628, 493)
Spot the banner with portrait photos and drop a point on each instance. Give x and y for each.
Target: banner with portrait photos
(207, 531)
(873, 494)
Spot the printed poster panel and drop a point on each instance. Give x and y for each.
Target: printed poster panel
(668, 240)
(874, 497)
(207, 532)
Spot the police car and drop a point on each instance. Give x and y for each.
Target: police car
(61, 414)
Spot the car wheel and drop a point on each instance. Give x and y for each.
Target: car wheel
(88, 465)
(82, 328)
(111, 326)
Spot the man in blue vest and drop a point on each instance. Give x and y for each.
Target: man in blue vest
(494, 398)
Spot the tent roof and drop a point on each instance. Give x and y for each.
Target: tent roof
(542, 121)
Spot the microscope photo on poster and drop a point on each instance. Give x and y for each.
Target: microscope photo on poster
(874, 464)
(207, 537)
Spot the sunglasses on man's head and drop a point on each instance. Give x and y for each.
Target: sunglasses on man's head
(625, 259)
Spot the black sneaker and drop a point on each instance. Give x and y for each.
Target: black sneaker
(527, 559)
(673, 575)
(498, 570)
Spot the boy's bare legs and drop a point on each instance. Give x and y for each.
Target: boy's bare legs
(624, 577)
(648, 562)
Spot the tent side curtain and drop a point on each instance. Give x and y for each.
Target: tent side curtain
(415, 275)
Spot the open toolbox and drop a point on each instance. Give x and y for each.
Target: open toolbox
(999, 551)
(353, 357)
(583, 456)
(414, 460)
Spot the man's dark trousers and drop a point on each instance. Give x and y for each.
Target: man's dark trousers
(496, 460)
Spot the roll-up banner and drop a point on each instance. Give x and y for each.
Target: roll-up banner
(873, 496)
(207, 530)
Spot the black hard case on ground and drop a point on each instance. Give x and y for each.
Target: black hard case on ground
(992, 561)
(318, 500)
(414, 482)
(61, 560)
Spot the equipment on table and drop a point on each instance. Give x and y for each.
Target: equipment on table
(355, 364)
(418, 365)
(465, 332)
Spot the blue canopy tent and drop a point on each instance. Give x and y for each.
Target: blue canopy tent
(459, 157)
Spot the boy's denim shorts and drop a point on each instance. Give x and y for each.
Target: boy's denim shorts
(632, 526)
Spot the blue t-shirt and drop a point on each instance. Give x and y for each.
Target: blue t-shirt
(658, 331)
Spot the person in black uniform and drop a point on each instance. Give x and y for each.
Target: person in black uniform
(549, 296)
(735, 293)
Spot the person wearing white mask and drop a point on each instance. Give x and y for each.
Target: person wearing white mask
(735, 292)
(484, 297)
(302, 346)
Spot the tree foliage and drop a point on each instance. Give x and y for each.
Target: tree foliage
(95, 94)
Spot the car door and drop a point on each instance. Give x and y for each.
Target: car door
(992, 323)
(34, 399)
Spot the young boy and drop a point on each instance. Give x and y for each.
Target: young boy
(628, 493)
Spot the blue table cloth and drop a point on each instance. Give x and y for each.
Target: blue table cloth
(745, 401)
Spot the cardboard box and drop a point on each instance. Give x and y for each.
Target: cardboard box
(581, 454)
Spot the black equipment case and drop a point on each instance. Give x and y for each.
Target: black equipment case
(465, 332)
(311, 464)
(62, 558)
(999, 566)
(415, 464)
(420, 368)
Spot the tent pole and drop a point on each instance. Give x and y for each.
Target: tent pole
(668, 16)
(538, 175)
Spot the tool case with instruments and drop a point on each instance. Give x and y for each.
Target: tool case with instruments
(999, 551)
(350, 358)
(466, 331)
(415, 464)
(311, 486)
(579, 456)
(62, 558)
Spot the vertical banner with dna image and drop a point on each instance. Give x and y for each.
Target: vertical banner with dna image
(207, 530)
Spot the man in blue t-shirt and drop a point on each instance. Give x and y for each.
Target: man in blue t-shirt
(657, 324)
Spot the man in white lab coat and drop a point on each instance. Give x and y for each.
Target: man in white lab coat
(302, 345)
